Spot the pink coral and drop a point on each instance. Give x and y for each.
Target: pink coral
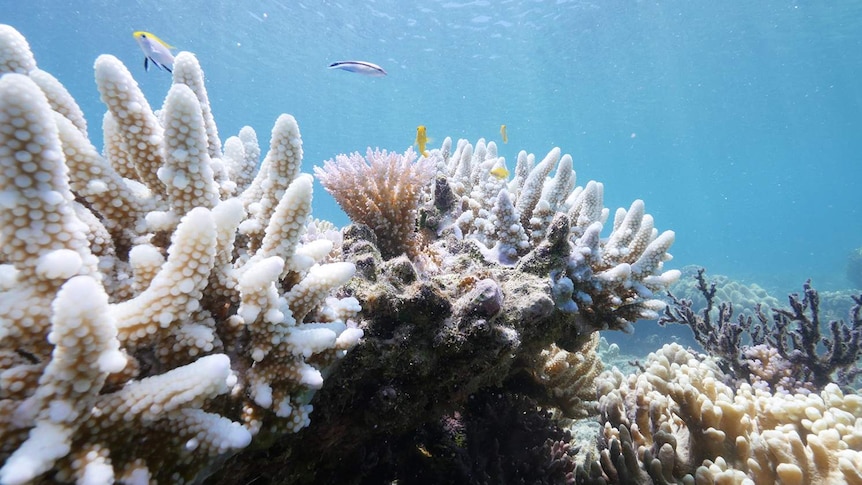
(383, 190)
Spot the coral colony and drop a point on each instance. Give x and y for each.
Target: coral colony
(158, 306)
(170, 312)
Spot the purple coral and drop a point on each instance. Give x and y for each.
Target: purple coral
(797, 338)
(794, 335)
(382, 190)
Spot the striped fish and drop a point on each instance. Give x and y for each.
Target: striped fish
(359, 67)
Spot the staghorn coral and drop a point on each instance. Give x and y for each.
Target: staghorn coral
(745, 298)
(678, 422)
(546, 226)
(792, 344)
(383, 190)
(142, 336)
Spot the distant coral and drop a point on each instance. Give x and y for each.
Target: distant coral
(744, 297)
(383, 190)
(793, 336)
(854, 267)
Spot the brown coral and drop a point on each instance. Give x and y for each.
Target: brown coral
(383, 191)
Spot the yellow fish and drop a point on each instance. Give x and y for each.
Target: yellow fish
(421, 139)
(500, 172)
(423, 450)
(155, 50)
(504, 135)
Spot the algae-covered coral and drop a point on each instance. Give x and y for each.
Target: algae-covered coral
(154, 313)
(497, 272)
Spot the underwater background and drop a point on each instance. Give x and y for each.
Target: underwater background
(738, 123)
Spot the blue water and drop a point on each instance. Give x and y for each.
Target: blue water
(739, 123)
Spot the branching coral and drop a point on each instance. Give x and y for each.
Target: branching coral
(798, 339)
(383, 190)
(204, 269)
(502, 270)
(798, 354)
(142, 336)
(744, 297)
(547, 226)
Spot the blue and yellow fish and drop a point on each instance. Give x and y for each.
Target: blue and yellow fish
(155, 50)
(503, 134)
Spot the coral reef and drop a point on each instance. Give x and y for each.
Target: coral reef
(495, 280)
(155, 314)
(763, 407)
(533, 223)
(745, 298)
(678, 421)
(162, 293)
(569, 377)
(798, 354)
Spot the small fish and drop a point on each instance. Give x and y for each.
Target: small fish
(359, 67)
(504, 134)
(500, 172)
(421, 139)
(423, 450)
(155, 50)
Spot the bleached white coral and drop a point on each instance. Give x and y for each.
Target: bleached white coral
(121, 307)
(176, 290)
(187, 173)
(15, 55)
(535, 217)
(143, 134)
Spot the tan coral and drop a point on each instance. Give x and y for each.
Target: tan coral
(721, 434)
(569, 377)
(142, 133)
(383, 190)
